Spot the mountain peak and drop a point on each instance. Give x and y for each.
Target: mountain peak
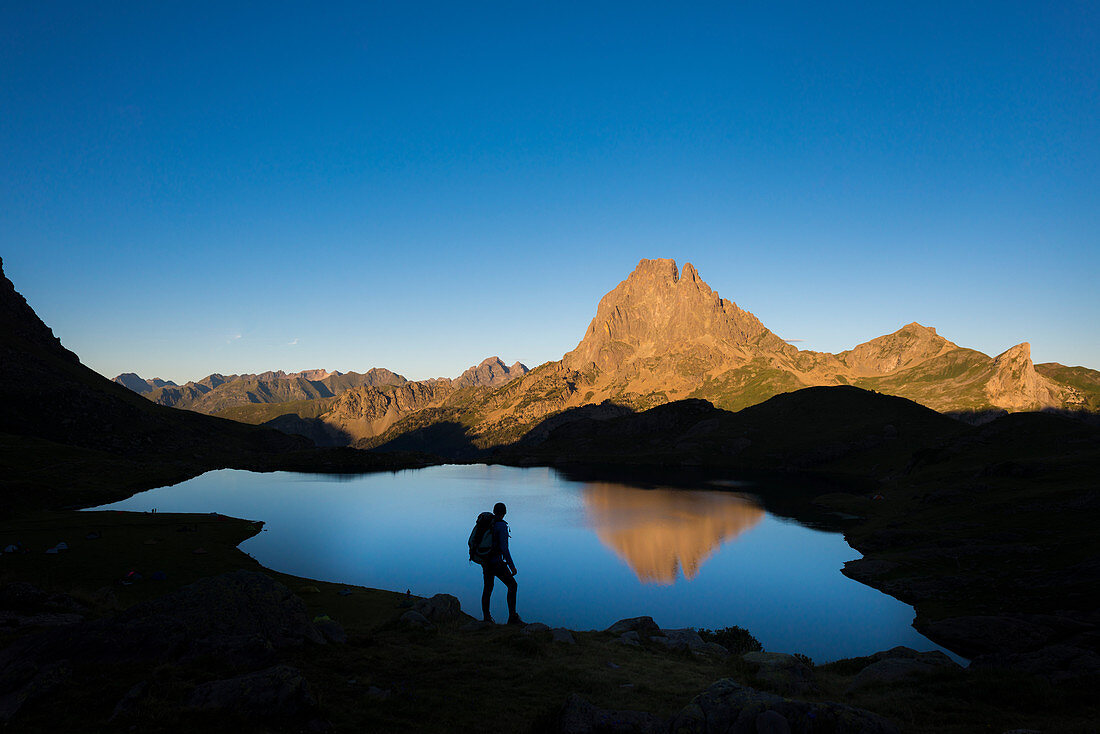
(491, 372)
(658, 270)
(1015, 385)
(1019, 353)
(913, 326)
(658, 311)
(908, 346)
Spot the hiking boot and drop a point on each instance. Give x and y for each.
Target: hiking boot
(488, 620)
(514, 619)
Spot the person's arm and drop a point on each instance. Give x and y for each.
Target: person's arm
(502, 540)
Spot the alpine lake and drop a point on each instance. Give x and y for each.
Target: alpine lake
(589, 551)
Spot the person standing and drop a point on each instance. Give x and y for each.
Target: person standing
(499, 565)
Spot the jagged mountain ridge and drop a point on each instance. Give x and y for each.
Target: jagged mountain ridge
(662, 335)
(337, 409)
(216, 393)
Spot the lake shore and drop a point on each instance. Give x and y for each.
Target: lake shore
(390, 675)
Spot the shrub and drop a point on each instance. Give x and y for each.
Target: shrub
(737, 640)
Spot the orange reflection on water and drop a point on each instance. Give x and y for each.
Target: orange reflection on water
(658, 532)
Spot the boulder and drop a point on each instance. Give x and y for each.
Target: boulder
(630, 638)
(279, 691)
(416, 620)
(536, 627)
(728, 707)
(931, 657)
(238, 652)
(890, 666)
(29, 683)
(682, 639)
(578, 716)
(331, 630)
(642, 625)
(441, 608)
(128, 704)
(889, 670)
(772, 722)
(781, 672)
(562, 635)
(476, 626)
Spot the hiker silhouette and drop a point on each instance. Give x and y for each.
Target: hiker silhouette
(498, 564)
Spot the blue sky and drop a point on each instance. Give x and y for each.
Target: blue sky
(196, 188)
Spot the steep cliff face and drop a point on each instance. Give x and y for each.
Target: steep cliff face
(1015, 385)
(660, 313)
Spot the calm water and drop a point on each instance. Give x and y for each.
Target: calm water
(588, 553)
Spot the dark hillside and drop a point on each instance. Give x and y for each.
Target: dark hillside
(831, 428)
(70, 436)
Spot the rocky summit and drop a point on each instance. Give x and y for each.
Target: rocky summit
(660, 314)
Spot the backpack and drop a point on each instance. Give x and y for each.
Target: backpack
(482, 542)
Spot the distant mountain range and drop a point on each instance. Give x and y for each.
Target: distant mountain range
(331, 408)
(661, 335)
(140, 386)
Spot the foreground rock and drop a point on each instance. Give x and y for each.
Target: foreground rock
(900, 664)
(277, 691)
(782, 672)
(726, 707)
(729, 707)
(239, 619)
(580, 717)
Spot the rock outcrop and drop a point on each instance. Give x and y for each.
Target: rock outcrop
(1015, 385)
(728, 706)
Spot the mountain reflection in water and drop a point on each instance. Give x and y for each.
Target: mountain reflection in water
(660, 531)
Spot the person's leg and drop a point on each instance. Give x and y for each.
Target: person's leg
(501, 572)
(486, 592)
(510, 581)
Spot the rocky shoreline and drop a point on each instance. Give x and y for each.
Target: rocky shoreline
(239, 623)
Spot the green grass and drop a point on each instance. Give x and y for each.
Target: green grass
(257, 413)
(744, 386)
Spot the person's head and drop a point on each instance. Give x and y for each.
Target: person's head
(499, 509)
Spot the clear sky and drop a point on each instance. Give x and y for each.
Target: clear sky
(188, 188)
